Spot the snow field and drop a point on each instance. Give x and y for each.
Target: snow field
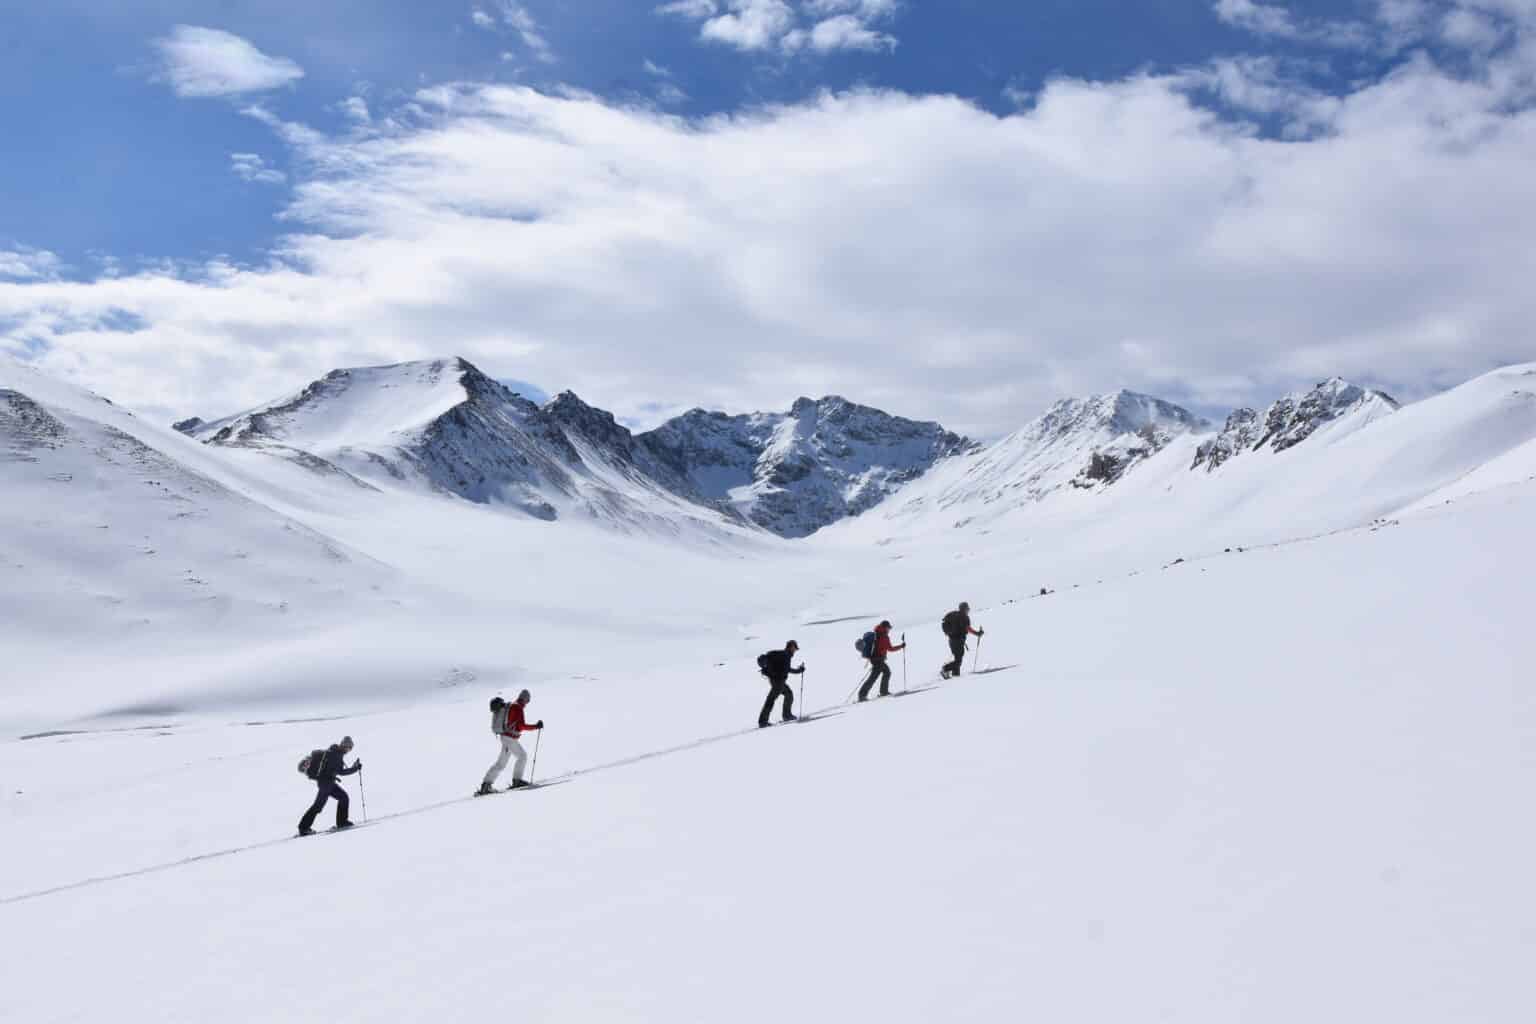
(1272, 786)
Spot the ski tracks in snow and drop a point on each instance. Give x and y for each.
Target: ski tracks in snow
(570, 776)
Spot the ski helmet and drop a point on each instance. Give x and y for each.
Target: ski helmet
(524, 697)
(965, 606)
(346, 743)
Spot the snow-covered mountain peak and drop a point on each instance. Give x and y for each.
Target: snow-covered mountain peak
(1112, 414)
(793, 473)
(1294, 418)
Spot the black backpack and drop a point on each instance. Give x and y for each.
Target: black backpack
(762, 662)
(951, 623)
(310, 766)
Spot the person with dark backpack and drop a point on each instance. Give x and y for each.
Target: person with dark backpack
(957, 626)
(507, 724)
(876, 650)
(324, 769)
(776, 666)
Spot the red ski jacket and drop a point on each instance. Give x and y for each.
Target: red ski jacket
(516, 723)
(883, 645)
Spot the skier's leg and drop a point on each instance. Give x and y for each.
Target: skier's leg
(308, 821)
(789, 701)
(773, 693)
(343, 802)
(501, 762)
(869, 681)
(521, 761)
(885, 679)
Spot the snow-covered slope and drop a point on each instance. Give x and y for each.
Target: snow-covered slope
(794, 473)
(444, 426)
(116, 534)
(1293, 419)
(1086, 444)
(1267, 787)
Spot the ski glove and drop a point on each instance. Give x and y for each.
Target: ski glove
(358, 766)
(540, 725)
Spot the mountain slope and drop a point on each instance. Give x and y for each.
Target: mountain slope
(1235, 779)
(443, 426)
(115, 532)
(1084, 444)
(794, 473)
(1293, 419)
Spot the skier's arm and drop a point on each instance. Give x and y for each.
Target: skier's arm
(798, 671)
(975, 632)
(348, 771)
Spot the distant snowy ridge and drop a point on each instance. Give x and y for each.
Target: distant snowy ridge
(794, 473)
(1079, 443)
(442, 425)
(1293, 419)
(445, 426)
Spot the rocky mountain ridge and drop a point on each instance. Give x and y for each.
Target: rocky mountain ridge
(1290, 420)
(445, 426)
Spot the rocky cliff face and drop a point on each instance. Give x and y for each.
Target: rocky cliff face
(795, 472)
(1291, 420)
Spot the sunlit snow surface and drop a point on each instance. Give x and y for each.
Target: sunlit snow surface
(1279, 783)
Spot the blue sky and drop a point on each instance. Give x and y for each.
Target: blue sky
(172, 166)
(115, 163)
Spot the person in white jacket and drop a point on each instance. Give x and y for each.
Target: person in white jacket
(508, 722)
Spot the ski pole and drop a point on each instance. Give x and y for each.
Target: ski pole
(976, 662)
(802, 689)
(853, 691)
(903, 663)
(533, 772)
(362, 795)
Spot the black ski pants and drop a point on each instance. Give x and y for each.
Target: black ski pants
(878, 669)
(779, 687)
(957, 648)
(327, 789)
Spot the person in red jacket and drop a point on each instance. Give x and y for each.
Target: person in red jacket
(508, 723)
(878, 669)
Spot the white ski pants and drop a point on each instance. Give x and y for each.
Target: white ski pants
(510, 748)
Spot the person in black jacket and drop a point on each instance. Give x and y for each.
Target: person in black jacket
(775, 665)
(957, 626)
(326, 783)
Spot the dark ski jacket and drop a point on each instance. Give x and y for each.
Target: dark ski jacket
(962, 624)
(778, 668)
(332, 765)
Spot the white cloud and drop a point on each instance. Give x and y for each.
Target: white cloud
(847, 32)
(1470, 29)
(816, 26)
(518, 19)
(253, 168)
(1278, 22)
(697, 9)
(356, 108)
(208, 62)
(750, 24)
(1265, 19)
(1112, 233)
(867, 10)
(652, 68)
(26, 264)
